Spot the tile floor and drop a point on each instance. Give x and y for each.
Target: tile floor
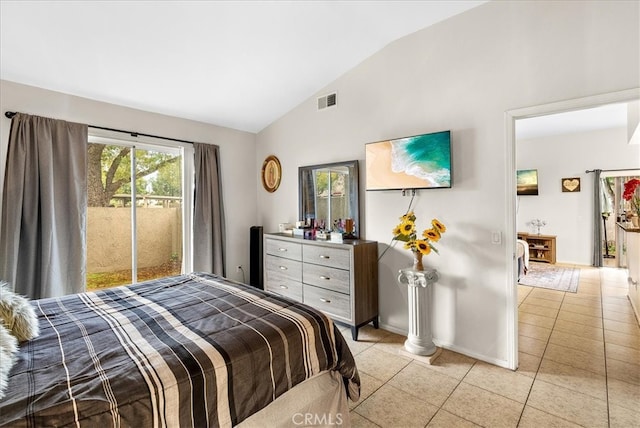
(579, 359)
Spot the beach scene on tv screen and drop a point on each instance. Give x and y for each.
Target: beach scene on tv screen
(421, 161)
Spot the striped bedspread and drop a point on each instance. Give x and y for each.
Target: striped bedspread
(190, 350)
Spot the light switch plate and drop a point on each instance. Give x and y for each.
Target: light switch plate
(496, 237)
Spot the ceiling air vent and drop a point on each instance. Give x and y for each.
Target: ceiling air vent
(327, 101)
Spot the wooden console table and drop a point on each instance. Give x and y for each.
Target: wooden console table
(542, 248)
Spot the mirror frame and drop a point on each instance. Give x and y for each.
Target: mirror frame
(354, 190)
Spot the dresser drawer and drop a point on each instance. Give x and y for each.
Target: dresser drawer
(289, 250)
(332, 303)
(327, 256)
(282, 267)
(326, 277)
(338, 279)
(284, 286)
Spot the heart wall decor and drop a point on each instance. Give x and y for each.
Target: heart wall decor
(571, 184)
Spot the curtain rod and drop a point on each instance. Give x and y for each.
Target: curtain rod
(10, 114)
(613, 170)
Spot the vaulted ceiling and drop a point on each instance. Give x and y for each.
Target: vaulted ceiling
(239, 64)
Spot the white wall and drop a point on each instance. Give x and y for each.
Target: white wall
(237, 149)
(633, 122)
(568, 215)
(462, 74)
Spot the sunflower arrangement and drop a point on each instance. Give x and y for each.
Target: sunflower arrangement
(406, 232)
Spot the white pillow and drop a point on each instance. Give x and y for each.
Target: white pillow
(8, 349)
(18, 315)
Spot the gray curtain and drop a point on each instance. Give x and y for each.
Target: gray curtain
(42, 236)
(208, 216)
(597, 219)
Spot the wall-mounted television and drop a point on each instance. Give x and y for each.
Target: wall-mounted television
(416, 162)
(527, 181)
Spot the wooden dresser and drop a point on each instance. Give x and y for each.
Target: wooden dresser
(542, 248)
(339, 279)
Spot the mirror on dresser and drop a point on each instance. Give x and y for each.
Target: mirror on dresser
(328, 193)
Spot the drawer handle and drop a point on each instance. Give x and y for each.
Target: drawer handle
(324, 277)
(284, 287)
(325, 257)
(282, 249)
(325, 300)
(283, 268)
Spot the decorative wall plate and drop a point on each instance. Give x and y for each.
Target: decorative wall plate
(571, 184)
(271, 174)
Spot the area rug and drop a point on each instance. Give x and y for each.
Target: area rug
(554, 277)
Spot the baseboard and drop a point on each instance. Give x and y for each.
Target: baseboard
(578, 265)
(393, 329)
(455, 348)
(635, 309)
(472, 354)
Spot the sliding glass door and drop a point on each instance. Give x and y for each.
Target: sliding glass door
(135, 223)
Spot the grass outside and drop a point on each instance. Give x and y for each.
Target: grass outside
(101, 280)
(611, 247)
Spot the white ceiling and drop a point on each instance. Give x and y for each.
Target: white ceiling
(240, 64)
(592, 119)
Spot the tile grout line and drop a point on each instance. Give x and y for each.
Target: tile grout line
(600, 286)
(606, 375)
(604, 344)
(564, 293)
(439, 407)
(451, 393)
(377, 389)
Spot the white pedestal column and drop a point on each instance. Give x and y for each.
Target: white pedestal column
(419, 340)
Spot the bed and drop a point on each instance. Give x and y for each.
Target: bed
(189, 350)
(522, 248)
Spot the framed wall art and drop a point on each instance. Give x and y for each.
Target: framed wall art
(271, 174)
(571, 184)
(527, 181)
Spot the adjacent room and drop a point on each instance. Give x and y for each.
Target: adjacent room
(324, 213)
(559, 154)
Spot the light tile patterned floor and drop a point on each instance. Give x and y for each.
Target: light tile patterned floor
(579, 359)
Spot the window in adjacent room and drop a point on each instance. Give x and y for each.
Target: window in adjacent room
(135, 218)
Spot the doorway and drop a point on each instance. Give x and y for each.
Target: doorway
(561, 150)
(615, 210)
(511, 203)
